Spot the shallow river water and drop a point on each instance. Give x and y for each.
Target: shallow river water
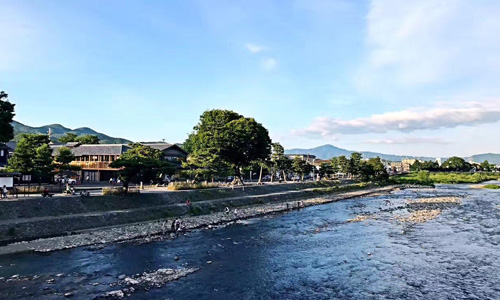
(313, 253)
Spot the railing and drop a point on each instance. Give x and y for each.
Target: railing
(96, 165)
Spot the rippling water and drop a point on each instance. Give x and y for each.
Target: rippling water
(309, 254)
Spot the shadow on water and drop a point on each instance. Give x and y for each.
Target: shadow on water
(309, 254)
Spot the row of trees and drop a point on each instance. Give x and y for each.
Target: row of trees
(34, 156)
(454, 163)
(355, 166)
(82, 139)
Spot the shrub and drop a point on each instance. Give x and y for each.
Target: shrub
(175, 186)
(492, 186)
(113, 191)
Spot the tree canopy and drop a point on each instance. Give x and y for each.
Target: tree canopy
(6, 117)
(142, 163)
(456, 164)
(223, 138)
(31, 155)
(83, 139)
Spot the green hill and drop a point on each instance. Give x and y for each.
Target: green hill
(58, 130)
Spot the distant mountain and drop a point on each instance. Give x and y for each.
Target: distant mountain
(329, 151)
(59, 130)
(492, 158)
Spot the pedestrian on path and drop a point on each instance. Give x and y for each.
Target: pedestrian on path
(4, 192)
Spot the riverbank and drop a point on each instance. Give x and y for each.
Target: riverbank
(431, 178)
(159, 229)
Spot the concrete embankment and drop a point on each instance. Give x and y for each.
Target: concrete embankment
(37, 218)
(158, 229)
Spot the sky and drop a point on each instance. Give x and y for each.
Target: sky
(392, 76)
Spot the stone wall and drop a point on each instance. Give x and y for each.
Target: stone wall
(43, 217)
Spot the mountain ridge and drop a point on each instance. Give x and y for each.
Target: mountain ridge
(59, 130)
(328, 151)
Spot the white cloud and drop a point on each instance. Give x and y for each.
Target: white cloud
(409, 141)
(408, 120)
(414, 43)
(254, 48)
(269, 64)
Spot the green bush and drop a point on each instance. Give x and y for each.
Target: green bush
(113, 191)
(441, 177)
(175, 186)
(492, 186)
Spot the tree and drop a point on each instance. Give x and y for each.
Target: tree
(344, 164)
(43, 164)
(141, 163)
(280, 164)
(30, 155)
(373, 170)
(68, 138)
(335, 165)
(88, 139)
(226, 138)
(485, 166)
(6, 117)
(325, 170)
(456, 164)
(355, 163)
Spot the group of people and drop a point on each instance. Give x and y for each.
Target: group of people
(114, 181)
(4, 191)
(176, 225)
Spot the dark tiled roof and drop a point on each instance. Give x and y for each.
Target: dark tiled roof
(102, 149)
(159, 146)
(164, 146)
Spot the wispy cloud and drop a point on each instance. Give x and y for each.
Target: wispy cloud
(269, 64)
(254, 48)
(409, 141)
(414, 43)
(408, 120)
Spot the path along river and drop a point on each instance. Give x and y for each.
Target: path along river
(313, 253)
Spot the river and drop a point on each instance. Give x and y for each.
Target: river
(313, 253)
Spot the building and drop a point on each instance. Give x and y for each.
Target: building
(171, 152)
(406, 164)
(95, 160)
(307, 157)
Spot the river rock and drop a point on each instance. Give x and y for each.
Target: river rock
(122, 276)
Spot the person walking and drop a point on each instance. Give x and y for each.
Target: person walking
(4, 191)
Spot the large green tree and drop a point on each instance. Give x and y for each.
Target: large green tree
(225, 138)
(63, 158)
(355, 163)
(30, 156)
(456, 164)
(301, 167)
(142, 163)
(43, 164)
(279, 164)
(6, 117)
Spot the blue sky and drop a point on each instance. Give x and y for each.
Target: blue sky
(403, 77)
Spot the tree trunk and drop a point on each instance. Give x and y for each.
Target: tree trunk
(284, 176)
(260, 176)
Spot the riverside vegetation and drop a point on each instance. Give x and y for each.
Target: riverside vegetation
(429, 178)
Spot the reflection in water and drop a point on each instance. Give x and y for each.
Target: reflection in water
(309, 254)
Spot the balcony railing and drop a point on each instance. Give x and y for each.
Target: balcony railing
(94, 165)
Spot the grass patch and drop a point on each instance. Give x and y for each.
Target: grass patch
(343, 188)
(441, 177)
(492, 186)
(176, 186)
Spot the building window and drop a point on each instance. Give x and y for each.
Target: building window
(2, 152)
